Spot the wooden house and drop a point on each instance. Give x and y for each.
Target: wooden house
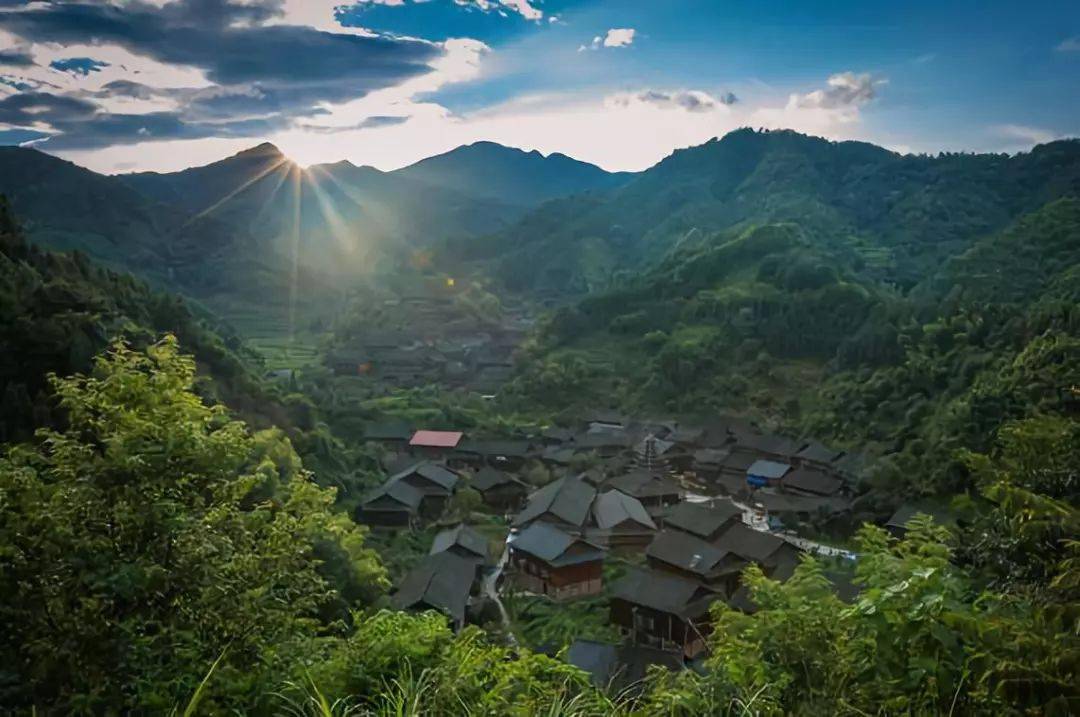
(393, 504)
(463, 541)
(503, 454)
(621, 521)
(564, 503)
(811, 482)
(814, 454)
(499, 489)
(694, 559)
(440, 582)
(703, 520)
(435, 482)
(763, 473)
(619, 668)
(434, 444)
(776, 557)
(548, 561)
(656, 493)
(661, 610)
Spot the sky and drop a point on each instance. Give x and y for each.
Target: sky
(131, 85)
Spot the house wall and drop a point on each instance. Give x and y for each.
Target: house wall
(567, 582)
(505, 497)
(384, 518)
(643, 625)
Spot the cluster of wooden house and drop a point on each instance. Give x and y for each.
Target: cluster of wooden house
(688, 508)
(433, 341)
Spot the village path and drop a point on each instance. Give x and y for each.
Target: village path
(755, 520)
(491, 590)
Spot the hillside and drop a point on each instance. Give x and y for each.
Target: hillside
(897, 216)
(766, 322)
(67, 207)
(513, 176)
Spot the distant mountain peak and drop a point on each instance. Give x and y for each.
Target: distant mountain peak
(266, 149)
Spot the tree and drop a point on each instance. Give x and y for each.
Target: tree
(153, 534)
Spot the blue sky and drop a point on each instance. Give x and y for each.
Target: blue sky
(160, 84)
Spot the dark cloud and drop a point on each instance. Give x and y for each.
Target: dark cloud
(691, 101)
(16, 58)
(264, 75)
(366, 123)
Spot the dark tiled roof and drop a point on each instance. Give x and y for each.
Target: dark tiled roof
(432, 473)
(767, 443)
(461, 536)
(906, 512)
(788, 503)
(510, 449)
(711, 456)
(488, 478)
(664, 592)
(700, 519)
(618, 666)
(685, 551)
(812, 481)
(400, 491)
(749, 544)
(614, 507)
(738, 461)
(768, 469)
(818, 452)
(642, 484)
(602, 439)
(568, 499)
(555, 433)
(441, 581)
(554, 546)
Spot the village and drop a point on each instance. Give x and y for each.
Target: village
(682, 510)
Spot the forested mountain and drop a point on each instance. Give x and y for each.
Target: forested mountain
(894, 217)
(64, 206)
(513, 176)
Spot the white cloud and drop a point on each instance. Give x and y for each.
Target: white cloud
(1070, 44)
(619, 37)
(1022, 137)
(615, 37)
(845, 89)
(525, 8)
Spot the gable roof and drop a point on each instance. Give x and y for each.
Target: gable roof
(767, 443)
(487, 478)
(461, 536)
(767, 469)
(436, 439)
(553, 546)
(441, 581)
(906, 512)
(818, 452)
(643, 484)
(738, 461)
(812, 481)
(398, 490)
(619, 666)
(749, 544)
(434, 473)
(665, 592)
(568, 499)
(594, 440)
(685, 551)
(615, 507)
(701, 519)
(508, 448)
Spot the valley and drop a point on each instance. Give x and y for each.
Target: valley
(610, 420)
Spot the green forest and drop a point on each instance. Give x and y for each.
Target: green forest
(179, 529)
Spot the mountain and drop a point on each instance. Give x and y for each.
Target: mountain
(68, 207)
(514, 176)
(898, 215)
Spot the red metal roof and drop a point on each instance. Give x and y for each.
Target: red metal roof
(436, 439)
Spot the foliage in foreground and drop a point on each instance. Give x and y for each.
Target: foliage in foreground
(152, 534)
